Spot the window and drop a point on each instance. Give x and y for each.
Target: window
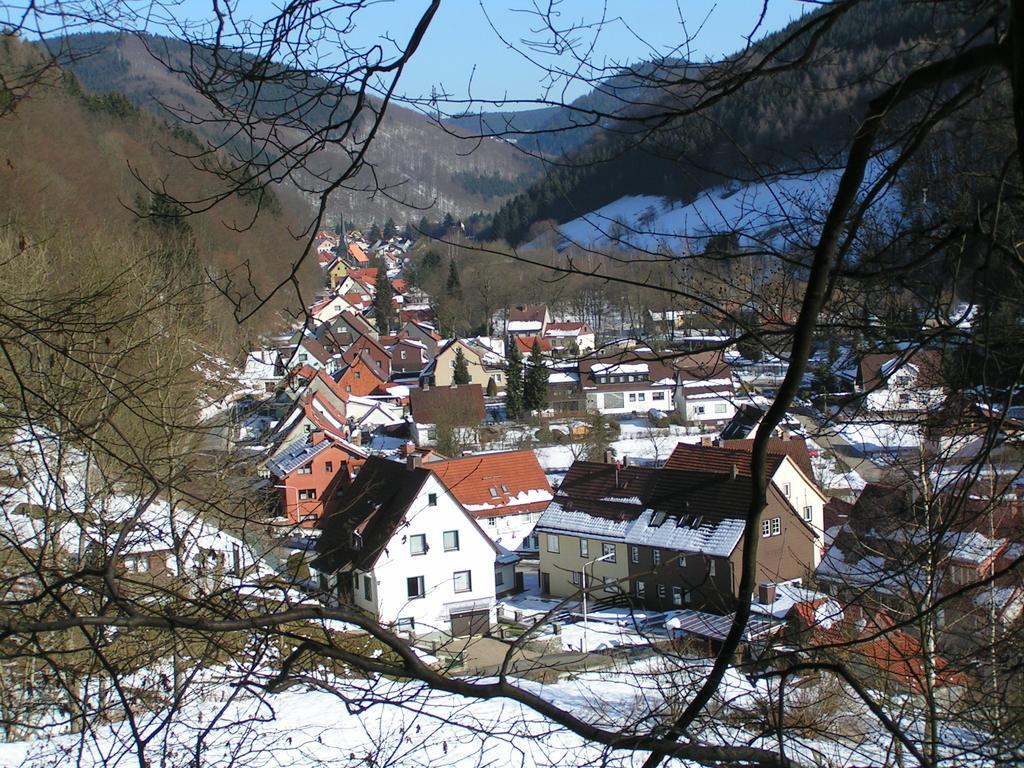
(307, 494)
(786, 489)
(493, 491)
(367, 588)
(552, 543)
(576, 578)
(682, 561)
(766, 528)
(497, 378)
(451, 541)
(656, 556)
(463, 581)
(661, 591)
(504, 488)
(306, 470)
(720, 407)
(348, 387)
(358, 375)
(634, 554)
(776, 526)
(657, 396)
(499, 578)
(328, 466)
(608, 550)
(711, 567)
(406, 625)
(677, 596)
(632, 397)
(402, 354)
(641, 397)
(808, 513)
(492, 521)
(641, 589)
(584, 548)
(609, 584)
(699, 410)
(418, 544)
(431, 499)
(414, 587)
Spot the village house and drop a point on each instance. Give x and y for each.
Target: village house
(528, 319)
(627, 382)
(670, 538)
(505, 492)
(901, 381)
(440, 372)
(575, 338)
(361, 376)
(408, 356)
(373, 351)
(344, 330)
(403, 549)
(309, 474)
(788, 469)
(312, 411)
(456, 407)
(706, 394)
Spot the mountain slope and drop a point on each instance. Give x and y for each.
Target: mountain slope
(426, 170)
(780, 121)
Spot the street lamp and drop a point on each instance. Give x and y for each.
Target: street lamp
(586, 644)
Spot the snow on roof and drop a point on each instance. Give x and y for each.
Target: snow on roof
(716, 538)
(518, 326)
(556, 519)
(618, 368)
(559, 377)
(295, 455)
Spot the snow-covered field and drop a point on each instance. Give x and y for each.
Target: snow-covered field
(879, 436)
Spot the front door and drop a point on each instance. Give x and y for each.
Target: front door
(545, 583)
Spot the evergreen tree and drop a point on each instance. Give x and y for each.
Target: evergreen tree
(535, 384)
(461, 375)
(375, 233)
(390, 230)
(383, 309)
(492, 387)
(409, 233)
(454, 286)
(514, 381)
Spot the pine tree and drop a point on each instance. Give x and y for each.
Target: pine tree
(375, 233)
(535, 384)
(492, 387)
(454, 286)
(461, 374)
(514, 381)
(383, 309)
(390, 230)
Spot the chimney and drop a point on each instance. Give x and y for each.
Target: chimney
(705, 441)
(407, 448)
(414, 461)
(625, 461)
(315, 438)
(425, 386)
(766, 594)
(608, 458)
(734, 472)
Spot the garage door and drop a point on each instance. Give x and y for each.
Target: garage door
(472, 623)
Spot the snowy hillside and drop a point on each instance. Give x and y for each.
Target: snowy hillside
(782, 213)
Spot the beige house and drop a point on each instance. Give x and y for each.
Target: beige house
(563, 556)
(441, 371)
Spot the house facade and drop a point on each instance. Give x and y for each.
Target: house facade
(403, 549)
(309, 474)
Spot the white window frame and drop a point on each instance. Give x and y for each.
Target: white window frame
(415, 551)
(776, 526)
(421, 587)
(553, 545)
(584, 548)
(608, 549)
(462, 581)
(656, 556)
(634, 553)
(451, 541)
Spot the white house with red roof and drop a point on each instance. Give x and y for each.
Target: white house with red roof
(505, 492)
(562, 336)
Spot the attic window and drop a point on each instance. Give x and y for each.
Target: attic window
(494, 492)
(658, 519)
(504, 488)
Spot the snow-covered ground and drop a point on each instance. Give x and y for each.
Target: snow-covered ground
(873, 437)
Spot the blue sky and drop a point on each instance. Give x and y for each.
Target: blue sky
(463, 55)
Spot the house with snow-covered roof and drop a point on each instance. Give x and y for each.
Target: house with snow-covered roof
(578, 338)
(901, 381)
(528, 319)
(309, 474)
(669, 538)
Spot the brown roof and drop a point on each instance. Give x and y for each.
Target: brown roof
(501, 482)
(795, 448)
(591, 487)
(372, 507)
(528, 313)
(463, 404)
(718, 460)
(875, 369)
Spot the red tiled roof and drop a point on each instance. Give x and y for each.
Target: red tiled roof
(357, 253)
(495, 484)
(525, 344)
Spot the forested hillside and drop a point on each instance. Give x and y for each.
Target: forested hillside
(425, 170)
(112, 182)
(782, 121)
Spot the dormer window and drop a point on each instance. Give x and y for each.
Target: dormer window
(494, 492)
